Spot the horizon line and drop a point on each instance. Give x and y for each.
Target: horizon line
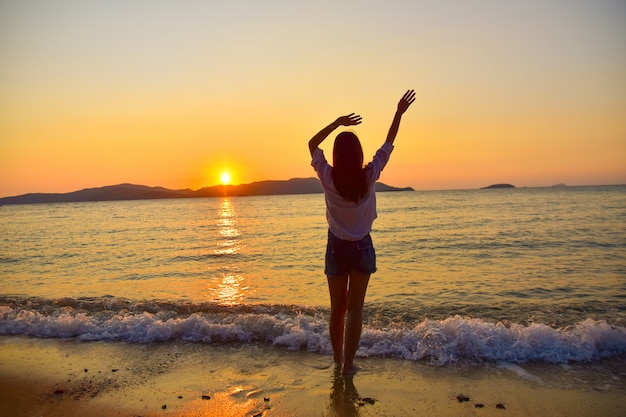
(558, 185)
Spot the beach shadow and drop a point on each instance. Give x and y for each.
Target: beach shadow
(344, 398)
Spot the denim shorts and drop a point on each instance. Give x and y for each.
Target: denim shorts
(342, 256)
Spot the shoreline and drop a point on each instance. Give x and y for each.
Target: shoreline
(55, 377)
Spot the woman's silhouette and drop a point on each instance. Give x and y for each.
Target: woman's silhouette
(350, 211)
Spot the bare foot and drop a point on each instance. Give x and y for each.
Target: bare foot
(351, 369)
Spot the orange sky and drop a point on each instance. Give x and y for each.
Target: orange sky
(172, 93)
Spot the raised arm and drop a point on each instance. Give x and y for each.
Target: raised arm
(349, 120)
(407, 99)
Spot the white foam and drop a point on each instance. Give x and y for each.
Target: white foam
(457, 338)
(437, 341)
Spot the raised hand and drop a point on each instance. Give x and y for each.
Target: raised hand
(349, 120)
(407, 99)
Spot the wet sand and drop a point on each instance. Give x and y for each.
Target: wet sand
(55, 377)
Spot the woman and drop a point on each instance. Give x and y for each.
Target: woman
(350, 211)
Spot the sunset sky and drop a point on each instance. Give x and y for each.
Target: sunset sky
(174, 93)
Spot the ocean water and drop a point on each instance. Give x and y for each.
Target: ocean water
(506, 275)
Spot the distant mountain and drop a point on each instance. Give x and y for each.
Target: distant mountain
(108, 193)
(142, 192)
(292, 186)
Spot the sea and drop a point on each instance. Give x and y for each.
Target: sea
(469, 276)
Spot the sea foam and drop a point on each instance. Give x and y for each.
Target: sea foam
(440, 342)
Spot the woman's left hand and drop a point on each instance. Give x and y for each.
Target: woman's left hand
(407, 99)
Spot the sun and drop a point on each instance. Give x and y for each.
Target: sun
(225, 178)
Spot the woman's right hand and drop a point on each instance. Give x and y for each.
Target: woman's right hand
(349, 120)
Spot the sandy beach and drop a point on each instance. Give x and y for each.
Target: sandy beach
(56, 377)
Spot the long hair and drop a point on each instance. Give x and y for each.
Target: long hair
(348, 173)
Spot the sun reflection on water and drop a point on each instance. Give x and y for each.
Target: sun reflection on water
(230, 289)
(228, 286)
(227, 229)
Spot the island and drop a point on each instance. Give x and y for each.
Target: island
(142, 192)
(498, 186)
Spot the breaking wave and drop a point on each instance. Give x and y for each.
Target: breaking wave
(449, 340)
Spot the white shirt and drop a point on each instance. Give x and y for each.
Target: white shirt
(348, 220)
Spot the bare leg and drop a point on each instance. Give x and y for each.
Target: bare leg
(338, 288)
(354, 324)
